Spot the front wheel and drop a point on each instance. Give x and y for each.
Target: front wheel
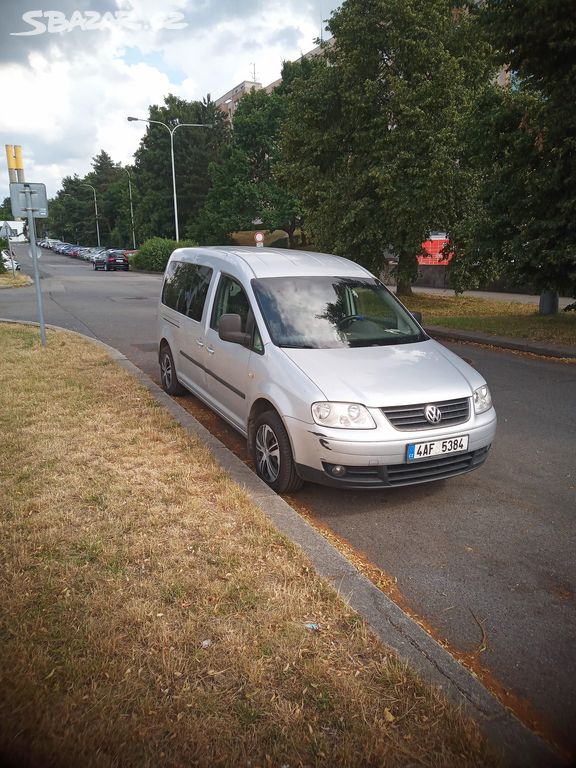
(168, 378)
(272, 454)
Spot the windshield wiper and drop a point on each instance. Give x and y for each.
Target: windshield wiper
(297, 346)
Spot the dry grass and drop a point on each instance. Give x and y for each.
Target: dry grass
(498, 318)
(8, 280)
(151, 615)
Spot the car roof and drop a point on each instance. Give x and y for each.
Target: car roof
(273, 262)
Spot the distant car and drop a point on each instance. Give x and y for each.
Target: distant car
(111, 260)
(9, 262)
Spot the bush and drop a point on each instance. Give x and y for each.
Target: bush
(153, 255)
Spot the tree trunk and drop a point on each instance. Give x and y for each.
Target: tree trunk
(548, 303)
(290, 232)
(406, 273)
(404, 287)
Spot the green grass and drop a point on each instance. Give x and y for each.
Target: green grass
(497, 318)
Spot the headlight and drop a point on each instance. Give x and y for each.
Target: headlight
(342, 415)
(482, 399)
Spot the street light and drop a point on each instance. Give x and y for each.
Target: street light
(95, 211)
(131, 208)
(171, 131)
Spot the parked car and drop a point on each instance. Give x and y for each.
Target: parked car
(9, 262)
(91, 253)
(327, 375)
(111, 259)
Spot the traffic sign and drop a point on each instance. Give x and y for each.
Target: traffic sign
(259, 237)
(28, 198)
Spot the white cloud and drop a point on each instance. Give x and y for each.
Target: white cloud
(68, 96)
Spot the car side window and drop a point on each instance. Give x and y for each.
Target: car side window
(232, 299)
(186, 287)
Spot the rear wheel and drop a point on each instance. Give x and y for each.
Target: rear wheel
(168, 378)
(273, 454)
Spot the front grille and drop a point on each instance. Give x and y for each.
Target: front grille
(410, 417)
(413, 473)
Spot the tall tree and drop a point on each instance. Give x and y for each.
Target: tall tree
(194, 150)
(373, 139)
(248, 184)
(527, 200)
(6, 210)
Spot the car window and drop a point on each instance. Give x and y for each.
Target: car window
(232, 299)
(186, 287)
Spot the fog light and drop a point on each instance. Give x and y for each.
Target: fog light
(338, 470)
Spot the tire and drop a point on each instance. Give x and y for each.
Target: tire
(168, 376)
(106, 268)
(272, 454)
(94, 267)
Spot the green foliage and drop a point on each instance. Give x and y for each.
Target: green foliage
(6, 210)
(231, 203)
(194, 150)
(373, 139)
(153, 255)
(247, 181)
(72, 214)
(522, 140)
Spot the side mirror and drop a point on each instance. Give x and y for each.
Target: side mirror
(230, 329)
(417, 316)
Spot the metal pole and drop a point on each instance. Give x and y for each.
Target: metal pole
(171, 131)
(131, 209)
(32, 235)
(174, 182)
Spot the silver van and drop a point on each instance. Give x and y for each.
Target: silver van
(325, 372)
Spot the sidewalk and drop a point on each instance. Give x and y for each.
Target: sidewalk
(542, 349)
(522, 298)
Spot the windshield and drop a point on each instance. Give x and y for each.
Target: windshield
(330, 312)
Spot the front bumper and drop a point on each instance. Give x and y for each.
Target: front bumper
(370, 459)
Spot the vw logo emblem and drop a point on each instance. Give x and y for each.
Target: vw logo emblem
(433, 414)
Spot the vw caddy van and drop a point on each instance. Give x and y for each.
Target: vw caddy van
(327, 375)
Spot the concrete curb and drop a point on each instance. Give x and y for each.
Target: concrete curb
(520, 746)
(543, 350)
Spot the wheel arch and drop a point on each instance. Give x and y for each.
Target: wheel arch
(259, 406)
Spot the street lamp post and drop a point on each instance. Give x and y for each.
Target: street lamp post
(95, 211)
(131, 209)
(171, 131)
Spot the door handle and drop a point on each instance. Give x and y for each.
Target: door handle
(200, 343)
(210, 350)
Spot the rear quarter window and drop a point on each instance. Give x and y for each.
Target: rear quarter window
(186, 287)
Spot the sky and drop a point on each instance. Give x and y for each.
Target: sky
(72, 72)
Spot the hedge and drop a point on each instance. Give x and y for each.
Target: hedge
(153, 255)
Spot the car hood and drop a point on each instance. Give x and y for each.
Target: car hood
(378, 377)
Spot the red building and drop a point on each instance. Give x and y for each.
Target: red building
(433, 248)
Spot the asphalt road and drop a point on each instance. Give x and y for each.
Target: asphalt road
(485, 561)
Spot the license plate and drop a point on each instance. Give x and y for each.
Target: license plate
(119, 261)
(418, 451)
